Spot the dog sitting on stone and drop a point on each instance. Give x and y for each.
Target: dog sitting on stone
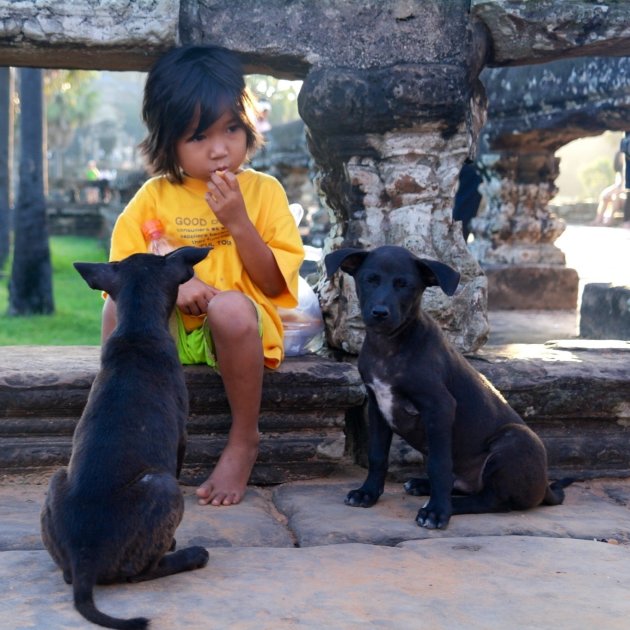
(420, 387)
(112, 514)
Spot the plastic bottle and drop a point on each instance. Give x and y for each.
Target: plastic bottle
(157, 243)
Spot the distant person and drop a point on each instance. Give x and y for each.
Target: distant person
(263, 108)
(94, 176)
(467, 197)
(611, 198)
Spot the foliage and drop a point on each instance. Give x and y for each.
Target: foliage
(595, 176)
(77, 317)
(70, 103)
(279, 93)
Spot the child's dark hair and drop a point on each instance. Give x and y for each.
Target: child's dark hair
(187, 82)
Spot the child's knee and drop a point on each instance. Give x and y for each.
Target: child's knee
(233, 313)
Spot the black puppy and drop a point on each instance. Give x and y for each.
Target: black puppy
(111, 515)
(420, 387)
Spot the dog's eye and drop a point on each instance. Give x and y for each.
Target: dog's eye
(373, 279)
(400, 283)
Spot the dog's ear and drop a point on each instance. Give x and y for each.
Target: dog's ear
(437, 274)
(101, 276)
(348, 258)
(185, 258)
(190, 255)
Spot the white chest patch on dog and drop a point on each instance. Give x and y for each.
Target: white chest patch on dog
(384, 399)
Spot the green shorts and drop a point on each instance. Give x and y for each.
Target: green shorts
(197, 346)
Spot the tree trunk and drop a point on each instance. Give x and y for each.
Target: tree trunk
(625, 143)
(30, 287)
(6, 146)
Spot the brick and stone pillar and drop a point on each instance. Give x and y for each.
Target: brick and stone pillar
(515, 233)
(389, 145)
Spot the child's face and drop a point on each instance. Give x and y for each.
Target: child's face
(220, 147)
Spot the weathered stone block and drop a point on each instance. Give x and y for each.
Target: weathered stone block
(605, 312)
(535, 287)
(115, 34)
(43, 391)
(524, 32)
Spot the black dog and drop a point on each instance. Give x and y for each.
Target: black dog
(111, 515)
(420, 387)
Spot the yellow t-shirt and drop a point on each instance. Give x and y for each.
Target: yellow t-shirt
(188, 220)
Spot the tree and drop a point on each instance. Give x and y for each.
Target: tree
(71, 101)
(6, 144)
(279, 93)
(30, 286)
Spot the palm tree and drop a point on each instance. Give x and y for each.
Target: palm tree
(30, 287)
(6, 141)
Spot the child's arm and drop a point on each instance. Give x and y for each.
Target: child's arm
(225, 198)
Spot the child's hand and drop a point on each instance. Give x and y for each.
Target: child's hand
(226, 200)
(193, 297)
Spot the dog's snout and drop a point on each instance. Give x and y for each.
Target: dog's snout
(380, 312)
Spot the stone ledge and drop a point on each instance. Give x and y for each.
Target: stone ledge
(574, 394)
(55, 381)
(43, 391)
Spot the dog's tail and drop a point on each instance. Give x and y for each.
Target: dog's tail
(555, 491)
(83, 581)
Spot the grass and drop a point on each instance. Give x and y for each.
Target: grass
(77, 316)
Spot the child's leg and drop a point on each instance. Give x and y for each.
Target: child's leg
(108, 322)
(233, 322)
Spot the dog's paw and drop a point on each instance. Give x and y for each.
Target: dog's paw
(361, 498)
(198, 556)
(433, 516)
(417, 487)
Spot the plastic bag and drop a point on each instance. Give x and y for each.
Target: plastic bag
(303, 325)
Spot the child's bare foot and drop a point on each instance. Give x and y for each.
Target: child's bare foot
(228, 481)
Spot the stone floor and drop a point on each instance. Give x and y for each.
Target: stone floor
(294, 556)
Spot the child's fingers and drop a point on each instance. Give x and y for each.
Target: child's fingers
(213, 187)
(225, 181)
(221, 183)
(212, 201)
(230, 180)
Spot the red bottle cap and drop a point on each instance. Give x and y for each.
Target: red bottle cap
(152, 229)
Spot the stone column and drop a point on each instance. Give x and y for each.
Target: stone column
(394, 186)
(515, 233)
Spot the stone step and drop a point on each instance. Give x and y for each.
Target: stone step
(575, 395)
(43, 391)
(270, 421)
(291, 455)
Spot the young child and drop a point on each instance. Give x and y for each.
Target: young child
(200, 134)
